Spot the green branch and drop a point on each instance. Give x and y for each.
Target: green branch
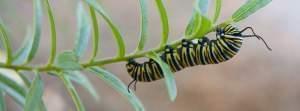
(95, 63)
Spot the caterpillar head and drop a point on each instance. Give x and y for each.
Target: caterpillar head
(228, 30)
(220, 31)
(131, 64)
(168, 49)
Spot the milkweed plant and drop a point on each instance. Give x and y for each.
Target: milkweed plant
(68, 66)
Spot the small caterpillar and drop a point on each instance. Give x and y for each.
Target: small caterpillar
(227, 44)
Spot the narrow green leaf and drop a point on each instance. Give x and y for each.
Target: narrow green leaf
(169, 77)
(83, 31)
(53, 33)
(206, 25)
(12, 83)
(199, 22)
(72, 92)
(68, 61)
(117, 35)
(164, 22)
(250, 7)
(37, 29)
(84, 81)
(96, 36)
(26, 81)
(118, 85)
(218, 5)
(41, 107)
(194, 24)
(34, 96)
(21, 56)
(144, 25)
(15, 85)
(13, 88)
(202, 5)
(27, 84)
(5, 41)
(28, 51)
(2, 100)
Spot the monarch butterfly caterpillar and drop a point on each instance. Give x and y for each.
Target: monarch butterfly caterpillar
(227, 44)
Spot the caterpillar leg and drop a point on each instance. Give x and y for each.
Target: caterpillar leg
(187, 53)
(172, 58)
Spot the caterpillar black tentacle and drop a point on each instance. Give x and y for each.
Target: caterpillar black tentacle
(255, 35)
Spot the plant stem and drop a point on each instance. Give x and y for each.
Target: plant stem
(94, 63)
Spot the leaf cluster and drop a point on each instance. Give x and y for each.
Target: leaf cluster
(68, 65)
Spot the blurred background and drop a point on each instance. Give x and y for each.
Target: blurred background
(254, 80)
